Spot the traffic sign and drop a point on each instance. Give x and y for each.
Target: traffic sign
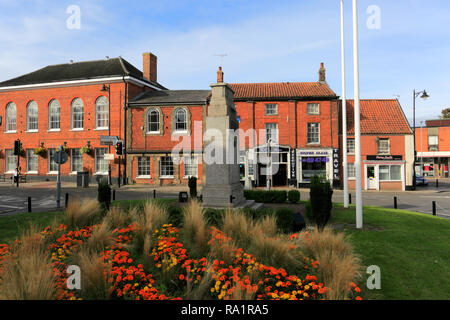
(109, 156)
(61, 154)
(108, 140)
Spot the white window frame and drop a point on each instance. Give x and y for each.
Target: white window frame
(54, 115)
(271, 133)
(190, 162)
(434, 144)
(50, 160)
(11, 117)
(97, 171)
(72, 157)
(139, 164)
(388, 146)
(149, 112)
(308, 132)
(311, 111)
(350, 145)
(351, 169)
(35, 158)
(77, 116)
(175, 122)
(161, 163)
(9, 154)
(102, 115)
(35, 117)
(389, 169)
(271, 109)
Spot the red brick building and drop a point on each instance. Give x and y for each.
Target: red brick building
(73, 105)
(433, 148)
(387, 153)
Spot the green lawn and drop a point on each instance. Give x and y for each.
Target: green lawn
(412, 250)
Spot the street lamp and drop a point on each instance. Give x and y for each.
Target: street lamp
(423, 96)
(106, 88)
(269, 171)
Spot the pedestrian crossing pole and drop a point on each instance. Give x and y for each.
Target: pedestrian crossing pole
(58, 179)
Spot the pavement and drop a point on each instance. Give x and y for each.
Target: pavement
(14, 200)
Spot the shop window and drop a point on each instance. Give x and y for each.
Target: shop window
(313, 108)
(390, 173)
(144, 167)
(271, 109)
(383, 146)
(314, 166)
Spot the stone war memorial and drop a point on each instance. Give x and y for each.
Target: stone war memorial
(222, 188)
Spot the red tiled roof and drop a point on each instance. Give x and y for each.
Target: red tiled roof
(282, 90)
(378, 117)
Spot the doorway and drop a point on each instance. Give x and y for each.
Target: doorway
(371, 178)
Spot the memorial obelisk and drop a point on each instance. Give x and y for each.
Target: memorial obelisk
(222, 186)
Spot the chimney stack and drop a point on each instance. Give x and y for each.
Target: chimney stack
(220, 75)
(149, 66)
(322, 77)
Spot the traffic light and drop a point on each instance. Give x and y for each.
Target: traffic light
(119, 148)
(17, 146)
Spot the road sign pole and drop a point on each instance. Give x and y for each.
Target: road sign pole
(17, 169)
(58, 179)
(118, 180)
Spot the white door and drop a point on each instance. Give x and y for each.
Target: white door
(372, 180)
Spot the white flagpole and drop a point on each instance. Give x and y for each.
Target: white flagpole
(344, 112)
(359, 217)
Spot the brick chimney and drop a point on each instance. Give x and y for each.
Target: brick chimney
(322, 77)
(149, 66)
(220, 75)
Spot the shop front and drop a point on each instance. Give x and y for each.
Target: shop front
(384, 173)
(315, 162)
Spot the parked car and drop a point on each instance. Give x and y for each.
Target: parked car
(421, 180)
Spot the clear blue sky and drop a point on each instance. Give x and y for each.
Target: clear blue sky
(265, 41)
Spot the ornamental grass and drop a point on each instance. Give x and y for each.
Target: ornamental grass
(27, 273)
(83, 213)
(195, 233)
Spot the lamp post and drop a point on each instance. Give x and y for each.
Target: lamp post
(269, 171)
(106, 88)
(424, 96)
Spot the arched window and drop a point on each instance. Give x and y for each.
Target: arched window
(180, 120)
(153, 119)
(54, 109)
(101, 112)
(32, 116)
(11, 116)
(77, 113)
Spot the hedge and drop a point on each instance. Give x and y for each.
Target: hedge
(266, 196)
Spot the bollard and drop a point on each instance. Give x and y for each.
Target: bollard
(350, 198)
(67, 199)
(29, 204)
(114, 194)
(154, 193)
(434, 208)
(395, 203)
(437, 183)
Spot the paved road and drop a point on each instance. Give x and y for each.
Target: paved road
(13, 200)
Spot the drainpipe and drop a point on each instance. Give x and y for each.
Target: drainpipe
(125, 108)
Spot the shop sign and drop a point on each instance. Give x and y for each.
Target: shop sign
(384, 157)
(336, 165)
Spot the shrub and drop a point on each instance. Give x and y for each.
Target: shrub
(192, 183)
(293, 196)
(321, 203)
(308, 210)
(214, 217)
(266, 196)
(104, 194)
(285, 219)
(175, 216)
